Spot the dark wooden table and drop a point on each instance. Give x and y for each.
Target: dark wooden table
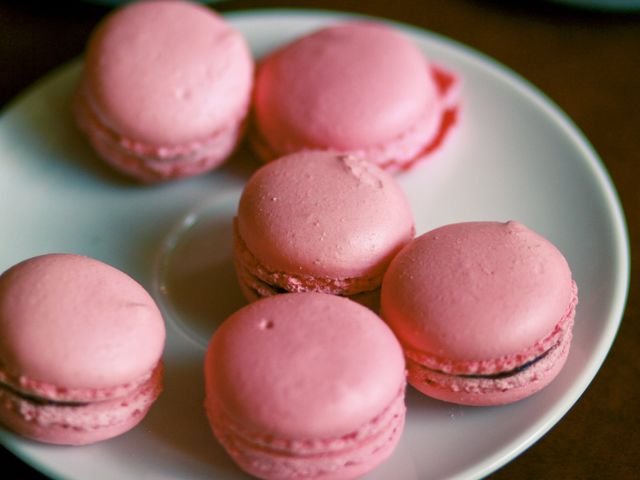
(588, 62)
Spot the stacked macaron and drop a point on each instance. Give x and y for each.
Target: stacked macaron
(165, 90)
(305, 385)
(80, 350)
(484, 311)
(319, 221)
(360, 88)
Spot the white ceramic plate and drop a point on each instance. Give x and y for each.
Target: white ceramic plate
(513, 156)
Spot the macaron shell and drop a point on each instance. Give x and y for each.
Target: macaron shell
(319, 367)
(476, 291)
(344, 87)
(324, 214)
(168, 72)
(76, 323)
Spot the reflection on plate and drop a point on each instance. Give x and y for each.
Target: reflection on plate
(514, 156)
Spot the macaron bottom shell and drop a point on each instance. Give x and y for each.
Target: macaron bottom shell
(77, 423)
(499, 381)
(476, 390)
(150, 164)
(344, 458)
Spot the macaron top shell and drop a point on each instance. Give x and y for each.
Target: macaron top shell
(167, 72)
(322, 213)
(75, 322)
(304, 366)
(476, 290)
(345, 87)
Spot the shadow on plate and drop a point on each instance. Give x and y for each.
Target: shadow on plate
(178, 420)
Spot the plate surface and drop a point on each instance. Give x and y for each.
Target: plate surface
(514, 155)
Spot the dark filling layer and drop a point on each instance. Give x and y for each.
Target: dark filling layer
(514, 371)
(274, 288)
(39, 400)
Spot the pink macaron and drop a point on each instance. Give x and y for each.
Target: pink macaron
(80, 350)
(319, 221)
(305, 385)
(484, 311)
(165, 89)
(359, 87)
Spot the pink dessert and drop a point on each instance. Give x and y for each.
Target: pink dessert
(484, 311)
(80, 350)
(319, 221)
(165, 89)
(360, 88)
(305, 385)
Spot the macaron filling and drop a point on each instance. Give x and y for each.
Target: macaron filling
(53, 393)
(10, 390)
(46, 393)
(512, 372)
